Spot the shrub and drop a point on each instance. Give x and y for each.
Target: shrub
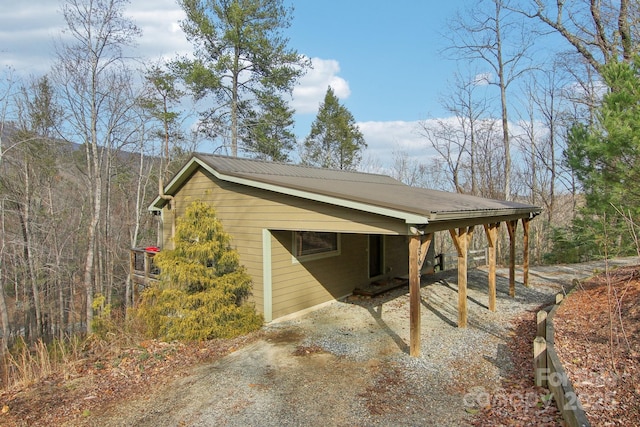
(203, 290)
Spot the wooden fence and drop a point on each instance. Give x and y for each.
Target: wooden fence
(449, 260)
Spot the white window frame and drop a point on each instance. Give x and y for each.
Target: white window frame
(318, 255)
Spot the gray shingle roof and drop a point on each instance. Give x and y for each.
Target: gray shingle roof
(374, 190)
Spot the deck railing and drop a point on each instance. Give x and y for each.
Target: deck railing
(143, 270)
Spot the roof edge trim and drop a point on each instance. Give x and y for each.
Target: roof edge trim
(191, 166)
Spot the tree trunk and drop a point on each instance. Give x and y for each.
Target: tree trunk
(25, 218)
(94, 168)
(503, 102)
(4, 314)
(234, 105)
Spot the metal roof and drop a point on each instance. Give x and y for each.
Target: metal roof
(370, 192)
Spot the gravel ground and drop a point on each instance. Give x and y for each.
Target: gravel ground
(347, 364)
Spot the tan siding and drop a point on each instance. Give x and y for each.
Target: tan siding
(396, 255)
(297, 286)
(166, 229)
(244, 212)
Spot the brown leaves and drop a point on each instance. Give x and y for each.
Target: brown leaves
(517, 401)
(597, 340)
(107, 376)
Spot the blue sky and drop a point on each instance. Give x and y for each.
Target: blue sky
(387, 52)
(381, 58)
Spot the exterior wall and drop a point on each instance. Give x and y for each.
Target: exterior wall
(299, 285)
(244, 212)
(396, 256)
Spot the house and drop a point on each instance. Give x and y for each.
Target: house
(309, 235)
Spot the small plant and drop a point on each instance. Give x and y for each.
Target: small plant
(101, 324)
(25, 366)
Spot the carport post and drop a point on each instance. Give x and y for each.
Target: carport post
(414, 296)
(461, 241)
(491, 230)
(525, 255)
(418, 249)
(511, 227)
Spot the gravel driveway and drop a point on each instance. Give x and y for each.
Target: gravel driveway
(347, 364)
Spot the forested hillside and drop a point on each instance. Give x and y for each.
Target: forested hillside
(46, 207)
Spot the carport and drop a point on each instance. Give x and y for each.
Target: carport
(461, 226)
(271, 208)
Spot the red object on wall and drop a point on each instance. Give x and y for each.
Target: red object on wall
(152, 249)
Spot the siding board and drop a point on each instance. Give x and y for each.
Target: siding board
(245, 211)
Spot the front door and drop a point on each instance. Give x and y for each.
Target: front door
(376, 252)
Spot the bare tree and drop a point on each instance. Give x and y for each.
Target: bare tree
(491, 35)
(5, 96)
(544, 130)
(89, 72)
(599, 30)
(447, 138)
(469, 110)
(409, 170)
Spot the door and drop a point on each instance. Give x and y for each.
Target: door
(376, 252)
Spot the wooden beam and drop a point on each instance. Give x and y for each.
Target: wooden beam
(461, 240)
(525, 254)
(424, 249)
(511, 227)
(491, 230)
(132, 268)
(414, 296)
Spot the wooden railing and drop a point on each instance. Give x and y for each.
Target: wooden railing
(447, 261)
(143, 270)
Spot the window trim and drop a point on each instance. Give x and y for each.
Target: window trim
(318, 255)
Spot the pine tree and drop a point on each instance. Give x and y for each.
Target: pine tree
(605, 158)
(240, 55)
(268, 134)
(203, 289)
(335, 140)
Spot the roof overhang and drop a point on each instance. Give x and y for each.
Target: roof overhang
(194, 163)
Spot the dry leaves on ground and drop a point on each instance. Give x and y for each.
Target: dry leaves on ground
(517, 401)
(106, 377)
(598, 341)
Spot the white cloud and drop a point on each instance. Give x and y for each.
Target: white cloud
(161, 33)
(28, 30)
(312, 87)
(386, 138)
(26, 35)
(482, 79)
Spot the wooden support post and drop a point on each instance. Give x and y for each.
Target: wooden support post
(491, 230)
(461, 241)
(511, 227)
(132, 263)
(541, 320)
(540, 361)
(147, 267)
(132, 272)
(414, 296)
(525, 254)
(424, 249)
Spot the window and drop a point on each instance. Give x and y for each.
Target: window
(309, 245)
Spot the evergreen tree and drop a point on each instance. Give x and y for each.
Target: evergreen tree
(269, 134)
(240, 56)
(335, 140)
(605, 158)
(160, 97)
(203, 289)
